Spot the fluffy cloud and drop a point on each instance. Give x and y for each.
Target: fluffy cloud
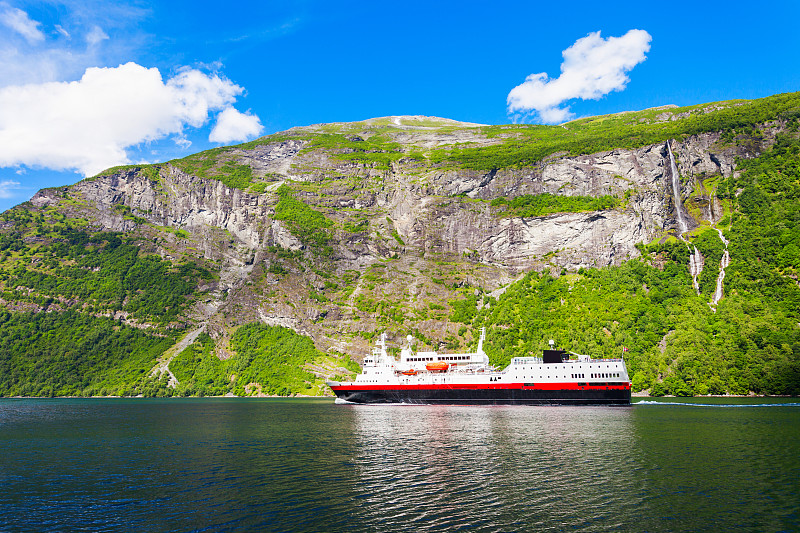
(592, 68)
(234, 126)
(86, 125)
(18, 20)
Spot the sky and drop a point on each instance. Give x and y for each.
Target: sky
(89, 84)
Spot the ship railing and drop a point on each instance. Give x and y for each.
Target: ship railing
(592, 360)
(526, 361)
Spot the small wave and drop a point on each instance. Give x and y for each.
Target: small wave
(687, 404)
(342, 401)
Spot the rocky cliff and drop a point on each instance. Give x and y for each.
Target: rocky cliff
(430, 228)
(339, 231)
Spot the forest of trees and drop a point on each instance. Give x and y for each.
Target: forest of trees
(271, 358)
(74, 354)
(103, 271)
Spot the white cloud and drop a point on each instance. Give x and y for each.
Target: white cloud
(234, 126)
(7, 188)
(87, 124)
(96, 35)
(20, 22)
(60, 29)
(592, 68)
(77, 39)
(183, 142)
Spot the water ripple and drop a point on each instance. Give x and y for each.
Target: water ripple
(218, 465)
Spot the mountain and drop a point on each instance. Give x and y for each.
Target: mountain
(266, 267)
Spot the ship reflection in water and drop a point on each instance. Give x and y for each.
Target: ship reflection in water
(505, 468)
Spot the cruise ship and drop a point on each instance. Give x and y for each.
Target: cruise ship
(557, 377)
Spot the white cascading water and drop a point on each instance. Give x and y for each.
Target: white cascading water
(676, 191)
(696, 263)
(723, 264)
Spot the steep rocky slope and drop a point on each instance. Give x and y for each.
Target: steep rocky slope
(340, 231)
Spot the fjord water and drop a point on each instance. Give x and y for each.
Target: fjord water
(311, 465)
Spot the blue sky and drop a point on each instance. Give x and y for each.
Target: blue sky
(166, 79)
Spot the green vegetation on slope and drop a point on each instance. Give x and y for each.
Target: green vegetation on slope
(102, 271)
(273, 357)
(377, 151)
(199, 371)
(526, 145)
(765, 233)
(305, 223)
(711, 247)
(537, 205)
(269, 360)
(73, 354)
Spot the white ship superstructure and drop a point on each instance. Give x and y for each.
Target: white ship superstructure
(430, 377)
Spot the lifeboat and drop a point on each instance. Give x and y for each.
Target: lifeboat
(437, 367)
(410, 372)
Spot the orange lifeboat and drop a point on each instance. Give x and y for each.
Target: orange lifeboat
(437, 367)
(410, 372)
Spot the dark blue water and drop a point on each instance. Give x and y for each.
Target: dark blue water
(310, 465)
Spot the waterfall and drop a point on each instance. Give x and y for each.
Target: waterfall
(723, 264)
(695, 258)
(676, 191)
(696, 263)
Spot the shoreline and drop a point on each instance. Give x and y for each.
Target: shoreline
(302, 396)
(158, 397)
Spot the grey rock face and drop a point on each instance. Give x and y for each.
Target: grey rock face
(578, 240)
(426, 212)
(413, 210)
(271, 158)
